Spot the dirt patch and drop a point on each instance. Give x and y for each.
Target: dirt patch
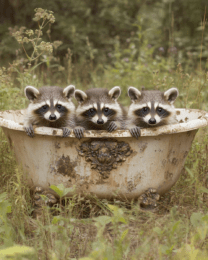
(168, 175)
(65, 167)
(70, 143)
(185, 154)
(175, 161)
(143, 147)
(57, 145)
(54, 132)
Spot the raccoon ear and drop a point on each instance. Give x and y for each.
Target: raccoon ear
(134, 93)
(80, 95)
(171, 95)
(69, 91)
(115, 92)
(31, 93)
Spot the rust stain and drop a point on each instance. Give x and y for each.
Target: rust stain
(175, 161)
(134, 153)
(178, 112)
(130, 186)
(137, 179)
(57, 145)
(185, 154)
(171, 153)
(54, 132)
(189, 133)
(164, 162)
(157, 138)
(70, 143)
(168, 175)
(65, 167)
(143, 147)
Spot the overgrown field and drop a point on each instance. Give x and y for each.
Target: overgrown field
(89, 228)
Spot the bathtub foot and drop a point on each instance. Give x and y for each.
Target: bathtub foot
(48, 200)
(149, 199)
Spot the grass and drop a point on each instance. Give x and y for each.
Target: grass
(89, 228)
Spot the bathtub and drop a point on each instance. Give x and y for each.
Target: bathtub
(108, 165)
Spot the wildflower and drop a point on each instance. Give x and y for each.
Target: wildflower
(56, 44)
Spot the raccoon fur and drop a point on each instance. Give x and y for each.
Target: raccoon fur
(98, 109)
(50, 107)
(150, 108)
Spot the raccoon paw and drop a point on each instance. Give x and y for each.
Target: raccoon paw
(66, 131)
(135, 132)
(29, 131)
(112, 127)
(79, 132)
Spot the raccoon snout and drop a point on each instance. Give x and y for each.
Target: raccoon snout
(152, 121)
(52, 117)
(100, 121)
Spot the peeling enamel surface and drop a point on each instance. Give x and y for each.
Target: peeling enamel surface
(155, 160)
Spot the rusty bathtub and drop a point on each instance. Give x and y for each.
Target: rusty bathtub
(108, 165)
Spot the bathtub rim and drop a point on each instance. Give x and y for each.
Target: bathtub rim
(154, 131)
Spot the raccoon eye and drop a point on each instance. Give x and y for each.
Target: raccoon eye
(92, 110)
(145, 109)
(45, 107)
(59, 106)
(107, 111)
(159, 109)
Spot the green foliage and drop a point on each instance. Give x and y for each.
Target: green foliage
(61, 191)
(26, 68)
(5, 225)
(170, 28)
(101, 248)
(15, 252)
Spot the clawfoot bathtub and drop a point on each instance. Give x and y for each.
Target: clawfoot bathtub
(108, 165)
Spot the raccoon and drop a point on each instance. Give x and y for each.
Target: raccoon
(98, 109)
(51, 107)
(150, 108)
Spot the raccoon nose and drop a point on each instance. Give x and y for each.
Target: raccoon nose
(100, 121)
(52, 117)
(152, 121)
